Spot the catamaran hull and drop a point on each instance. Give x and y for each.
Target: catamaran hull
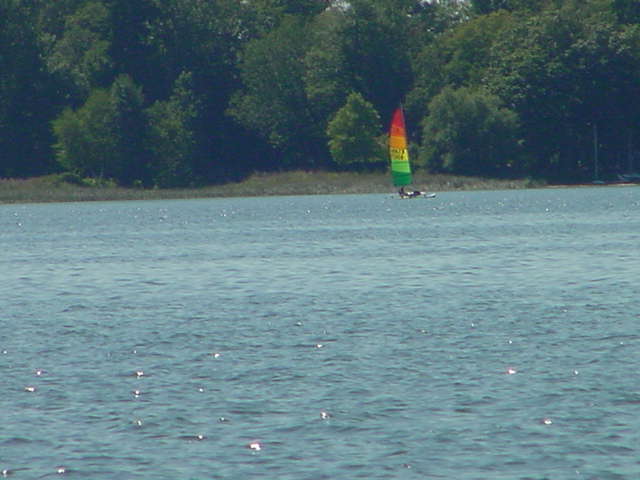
(422, 195)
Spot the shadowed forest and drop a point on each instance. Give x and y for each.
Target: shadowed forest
(172, 93)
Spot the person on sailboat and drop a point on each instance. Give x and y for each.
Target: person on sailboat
(404, 194)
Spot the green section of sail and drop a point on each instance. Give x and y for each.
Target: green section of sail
(400, 168)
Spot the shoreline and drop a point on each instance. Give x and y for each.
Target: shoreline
(52, 188)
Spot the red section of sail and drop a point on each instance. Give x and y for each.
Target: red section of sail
(397, 128)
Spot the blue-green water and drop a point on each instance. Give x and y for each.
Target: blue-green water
(250, 317)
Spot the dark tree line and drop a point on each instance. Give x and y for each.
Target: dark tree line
(184, 92)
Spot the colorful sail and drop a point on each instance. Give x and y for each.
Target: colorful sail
(398, 152)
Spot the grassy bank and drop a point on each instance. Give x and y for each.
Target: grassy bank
(55, 189)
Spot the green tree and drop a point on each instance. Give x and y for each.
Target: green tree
(172, 139)
(86, 143)
(353, 135)
(367, 48)
(376, 51)
(26, 95)
(564, 70)
(106, 136)
(468, 132)
(627, 11)
(131, 49)
(80, 57)
(327, 79)
(459, 57)
(50, 17)
(204, 38)
(130, 130)
(273, 99)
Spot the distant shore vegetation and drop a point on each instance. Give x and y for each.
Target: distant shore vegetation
(181, 94)
(65, 188)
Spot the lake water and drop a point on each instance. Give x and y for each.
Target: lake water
(476, 335)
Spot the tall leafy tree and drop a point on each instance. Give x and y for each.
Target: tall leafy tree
(130, 49)
(376, 51)
(457, 58)
(106, 136)
(273, 99)
(86, 144)
(26, 94)
(130, 130)
(564, 71)
(203, 38)
(366, 46)
(353, 135)
(80, 57)
(469, 132)
(327, 80)
(172, 139)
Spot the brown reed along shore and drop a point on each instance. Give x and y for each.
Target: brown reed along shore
(59, 188)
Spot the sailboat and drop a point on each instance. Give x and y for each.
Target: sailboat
(399, 156)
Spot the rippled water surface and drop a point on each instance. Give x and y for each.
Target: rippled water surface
(485, 335)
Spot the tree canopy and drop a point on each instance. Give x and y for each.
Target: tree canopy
(185, 92)
(353, 134)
